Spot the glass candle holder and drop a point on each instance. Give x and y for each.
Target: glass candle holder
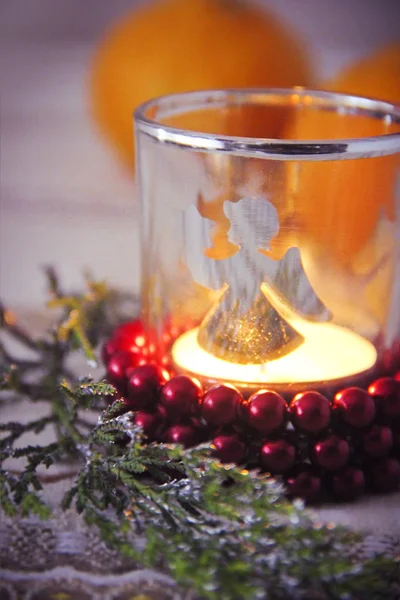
(271, 236)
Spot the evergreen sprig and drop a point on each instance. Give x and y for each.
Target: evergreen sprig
(219, 530)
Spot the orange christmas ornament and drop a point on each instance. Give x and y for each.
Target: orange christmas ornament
(336, 194)
(375, 76)
(179, 45)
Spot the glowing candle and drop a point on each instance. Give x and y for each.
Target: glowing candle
(328, 354)
(256, 241)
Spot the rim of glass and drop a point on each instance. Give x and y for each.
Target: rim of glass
(272, 148)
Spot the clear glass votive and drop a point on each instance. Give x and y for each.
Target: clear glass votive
(271, 236)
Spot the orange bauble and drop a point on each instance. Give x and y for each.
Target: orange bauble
(375, 76)
(183, 45)
(341, 201)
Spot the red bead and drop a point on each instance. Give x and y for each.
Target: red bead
(162, 412)
(240, 426)
(278, 456)
(229, 448)
(386, 475)
(265, 411)
(186, 435)
(310, 411)
(348, 484)
(356, 406)
(172, 330)
(386, 392)
(378, 441)
(180, 396)
(397, 376)
(395, 427)
(131, 330)
(304, 484)
(198, 423)
(134, 337)
(112, 346)
(220, 404)
(108, 349)
(150, 423)
(387, 361)
(331, 453)
(144, 385)
(117, 368)
(161, 361)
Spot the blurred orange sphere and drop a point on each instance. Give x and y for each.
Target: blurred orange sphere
(341, 201)
(175, 46)
(375, 76)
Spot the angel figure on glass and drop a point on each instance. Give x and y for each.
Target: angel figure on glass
(250, 322)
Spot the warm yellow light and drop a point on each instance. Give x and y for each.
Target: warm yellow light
(328, 353)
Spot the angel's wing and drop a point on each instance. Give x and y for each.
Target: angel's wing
(197, 238)
(292, 284)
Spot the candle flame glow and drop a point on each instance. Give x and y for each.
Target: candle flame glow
(329, 352)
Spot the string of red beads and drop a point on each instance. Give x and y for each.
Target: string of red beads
(322, 447)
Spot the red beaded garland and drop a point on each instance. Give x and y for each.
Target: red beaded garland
(395, 427)
(172, 330)
(143, 386)
(278, 456)
(332, 453)
(131, 335)
(134, 365)
(378, 441)
(150, 423)
(180, 396)
(108, 349)
(348, 484)
(386, 475)
(187, 435)
(220, 404)
(117, 368)
(304, 484)
(265, 411)
(356, 406)
(134, 338)
(310, 411)
(229, 448)
(386, 392)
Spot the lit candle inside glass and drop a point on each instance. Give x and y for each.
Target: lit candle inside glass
(329, 353)
(252, 335)
(281, 253)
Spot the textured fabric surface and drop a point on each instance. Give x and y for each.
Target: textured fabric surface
(64, 556)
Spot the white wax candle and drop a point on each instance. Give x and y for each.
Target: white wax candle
(328, 353)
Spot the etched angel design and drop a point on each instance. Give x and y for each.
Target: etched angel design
(249, 322)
